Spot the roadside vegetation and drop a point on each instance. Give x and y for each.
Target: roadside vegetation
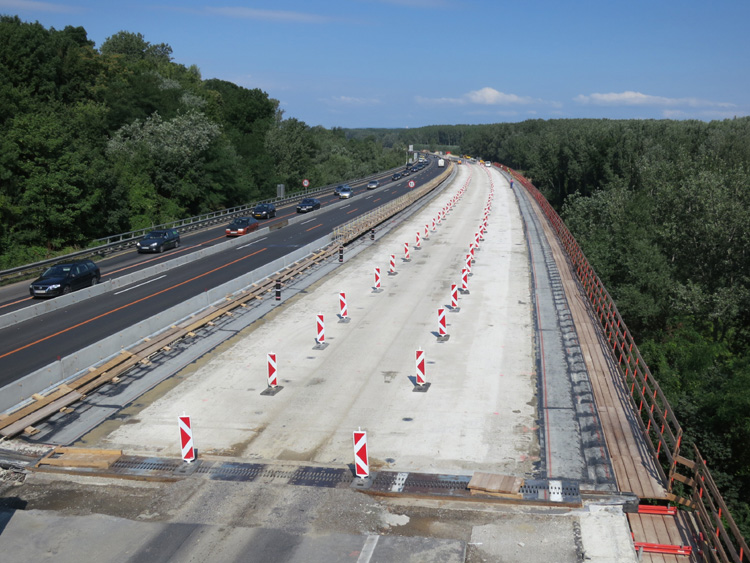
(101, 141)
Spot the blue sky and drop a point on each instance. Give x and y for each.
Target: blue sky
(410, 63)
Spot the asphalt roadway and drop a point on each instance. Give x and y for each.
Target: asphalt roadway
(485, 410)
(40, 341)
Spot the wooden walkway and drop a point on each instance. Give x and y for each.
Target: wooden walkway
(633, 464)
(634, 467)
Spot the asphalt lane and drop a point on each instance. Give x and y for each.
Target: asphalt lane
(28, 346)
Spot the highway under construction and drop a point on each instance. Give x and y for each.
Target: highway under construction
(439, 393)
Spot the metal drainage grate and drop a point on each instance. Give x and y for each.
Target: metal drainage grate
(321, 477)
(232, 471)
(421, 483)
(141, 465)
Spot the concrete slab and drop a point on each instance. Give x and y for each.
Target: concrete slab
(483, 382)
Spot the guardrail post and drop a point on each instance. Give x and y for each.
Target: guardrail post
(278, 291)
(341, 253)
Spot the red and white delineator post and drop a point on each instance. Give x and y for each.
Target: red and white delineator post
(377, 288)
(464, 281)
(320, 339)
(273, 382)
(426, 232)
(344, 315)
(406, 252)
(271, 361)
(418, 244)
(361, 463)
(468, 263)
(420, 368)
(442, 333)
(434, 228)
(186, 438)
(454, 299)
(392, 271)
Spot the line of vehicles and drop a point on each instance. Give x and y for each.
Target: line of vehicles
(64, 278)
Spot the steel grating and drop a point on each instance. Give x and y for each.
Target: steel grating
(321, 477)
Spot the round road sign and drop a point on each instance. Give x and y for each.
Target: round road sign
(305, 183)
(412, 183)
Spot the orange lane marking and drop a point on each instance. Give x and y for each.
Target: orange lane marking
(352, 211)
(129, 304)
(315, 227)
(15, 302)
(374, 200)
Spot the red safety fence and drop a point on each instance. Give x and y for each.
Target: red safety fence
(715, 532)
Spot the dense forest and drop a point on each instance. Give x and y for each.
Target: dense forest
(102, 141)
(662, 211)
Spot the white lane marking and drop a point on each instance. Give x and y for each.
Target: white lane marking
(250, 243)
(308, 221)
(140, 284)
(367, 550)
(369, 197)
(345, 206)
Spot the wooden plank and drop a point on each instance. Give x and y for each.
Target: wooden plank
(18, 426)
(494, 483)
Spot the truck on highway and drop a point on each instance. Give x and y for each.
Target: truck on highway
(441, 163)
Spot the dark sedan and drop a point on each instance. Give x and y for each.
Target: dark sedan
(241, 226)
(159, 241)
(264, 211)
(63, 278)
(308, 204)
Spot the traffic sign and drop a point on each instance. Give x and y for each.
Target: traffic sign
(305, 183)
(412, 183)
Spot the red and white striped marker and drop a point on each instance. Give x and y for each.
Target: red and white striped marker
(426, 232)
(420, 367)
(342, 305)
(186, 438)
(441, 322)
(406, 251)
(468, 263)
(476, 239)
(454, 296)
(321, 329)
(377, 278)
(393, 265)
(272, 380)
(464, 280)
(472, 247)
(433, 225)
(361, 465)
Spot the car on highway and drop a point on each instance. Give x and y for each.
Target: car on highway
(406, 172)
(241, 226)
(396, 176)
(345, 192)
(159, 241)
(264, 211)
(337, 190)
(372, 184)
(308, 204)
(61, 279)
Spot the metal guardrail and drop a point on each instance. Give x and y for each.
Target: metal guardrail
(122, 241)
(351, 230)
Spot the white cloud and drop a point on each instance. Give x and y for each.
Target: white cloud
(352, 101)
(630, 98)
(32, 6)
(484, 96)
(267, 15)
